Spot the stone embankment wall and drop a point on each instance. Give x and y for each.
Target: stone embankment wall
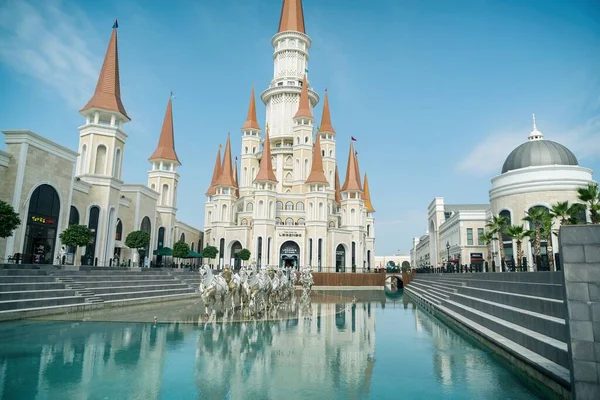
(580, 250)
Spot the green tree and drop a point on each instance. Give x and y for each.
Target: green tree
(496, 226)
(210, 252)
(517, 233)
(591, 196)
(567, 214)
(137, 240)
(547, 223)
(76, 236)
(181, 249)
(535, 217)
(9, 220)
(244, 254)
(488, 238)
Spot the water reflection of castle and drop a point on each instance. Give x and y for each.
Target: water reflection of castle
(319, 355)
(328, 349)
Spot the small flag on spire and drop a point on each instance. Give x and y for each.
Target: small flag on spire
(353, 138)
(172, 95)
(116, 24)
(306, 70)
(235, 158)
(220, 146)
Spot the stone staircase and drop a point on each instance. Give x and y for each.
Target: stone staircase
(26, 292)
(523, 313)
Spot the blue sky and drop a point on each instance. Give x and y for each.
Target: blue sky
(437, 92)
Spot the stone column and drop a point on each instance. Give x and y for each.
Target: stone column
(579, 248)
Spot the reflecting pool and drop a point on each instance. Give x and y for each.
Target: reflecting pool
(370, 347)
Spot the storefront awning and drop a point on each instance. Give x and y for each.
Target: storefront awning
(164, 251)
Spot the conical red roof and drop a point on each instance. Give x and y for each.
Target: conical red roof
(326, 117)
(265, 172)
(304, 105)
(226, 177)
(317, 175)
(216, 173)
(351, 183)
(292, 16)
(251, 122)
(107, 95)
(166, 142)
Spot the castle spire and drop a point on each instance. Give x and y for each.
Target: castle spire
(216, 173)
(326, 117)
(265, 172)
(317, 175)
(304, 105)
(235, 178)
(338, 194)
(351, 183)
(357, 169)
(366, 195)
(166, 142)
(107, 95)
(251, 122)
(292, 16)
(226, 177)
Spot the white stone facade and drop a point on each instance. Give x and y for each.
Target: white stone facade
(289, 219)
(458, 226)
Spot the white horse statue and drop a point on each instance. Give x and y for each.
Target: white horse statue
(259, 287)
(212, 287)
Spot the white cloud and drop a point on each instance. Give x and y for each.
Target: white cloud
(44, 42)
(487, 157)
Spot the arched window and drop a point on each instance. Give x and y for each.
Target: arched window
(330, 153)
(224, 214)
(353, 217)
(289, 222)
(279, 206)
(117, 167)
(251, 179)
(250, 207)
(260, 210)
(253, 150)
(368, 230)
(323, 153)
(90, 250)
(507, 240)
(310, 211)
(153, 186)
(42, 224)
(210, 216)
(289, 206)
(297, 169)
(100, 167)
(271, 210)
(182, 237)
(245, 177)
(305, 139)
(83, 160)
(161, 238)
(331, 224)
(306, 170)
(277, 221)
(246, 149)
(244, 222)
(321, 211)
(73, 216)
(300, 206)
(300, 222)
(119, 230)
(288, 177)
(298, 140)
(289, 161)
(164, 197)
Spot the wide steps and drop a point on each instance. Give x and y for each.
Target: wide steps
(99, 284)
(550, 348)
(17, 287)
(40, 302)
(144, 294)
(117, 277)
(4, 279)
(35, 294)
(550, 326)
(20, 272)
(100, 291)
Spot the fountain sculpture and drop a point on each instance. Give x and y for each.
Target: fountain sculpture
(254, 290)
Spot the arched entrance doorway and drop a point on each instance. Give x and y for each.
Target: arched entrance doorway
(145, 226)
(289, 255)
(42, 223)
(340, 258)
(236, 263)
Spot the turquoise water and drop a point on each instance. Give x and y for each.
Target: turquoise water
(334, 350)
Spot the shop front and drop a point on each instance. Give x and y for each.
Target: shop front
(42, 226)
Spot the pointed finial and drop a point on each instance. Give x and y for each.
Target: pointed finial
(172, 95)
(534, 126)
(267, 128)
(116, 24)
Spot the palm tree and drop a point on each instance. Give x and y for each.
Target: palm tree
(496, 226)
(567, 214)
(518, 233)
(535, 216)
(488, 238)
(547, 233)
(591, 196)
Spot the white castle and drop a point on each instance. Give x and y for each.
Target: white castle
(287, 208)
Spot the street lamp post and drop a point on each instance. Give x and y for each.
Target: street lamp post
(448, 248)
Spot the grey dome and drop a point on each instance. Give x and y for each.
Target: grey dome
(539, 152)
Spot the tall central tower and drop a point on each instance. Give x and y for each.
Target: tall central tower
(290, 56)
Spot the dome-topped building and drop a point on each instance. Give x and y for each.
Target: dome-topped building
(537, 173)
(537, 151)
